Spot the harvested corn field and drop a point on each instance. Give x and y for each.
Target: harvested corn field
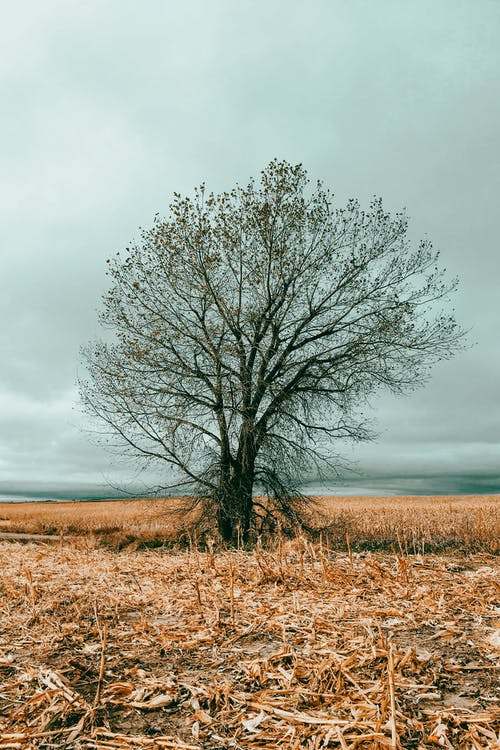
(408, 524)
(299, 647)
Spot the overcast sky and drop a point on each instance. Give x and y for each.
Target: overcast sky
(109, 107)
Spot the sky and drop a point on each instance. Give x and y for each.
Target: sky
(108, 108)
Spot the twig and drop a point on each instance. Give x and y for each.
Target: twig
(348, 542)
(103, 633)
(392, 720)
(231, 568)
(341, 739)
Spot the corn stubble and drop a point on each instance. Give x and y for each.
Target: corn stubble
(291, 647)
(410, 524)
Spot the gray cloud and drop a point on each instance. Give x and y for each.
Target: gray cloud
(109, 108)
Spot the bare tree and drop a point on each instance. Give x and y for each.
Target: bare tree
(248, 328)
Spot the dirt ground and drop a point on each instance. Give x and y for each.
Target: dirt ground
(299, 647)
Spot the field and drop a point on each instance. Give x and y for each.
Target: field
(358, 639)
(409, 524)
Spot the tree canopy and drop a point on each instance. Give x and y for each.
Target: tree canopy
(247, 328)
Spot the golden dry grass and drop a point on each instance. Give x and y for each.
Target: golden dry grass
(417, 524)
(299, 647)
(115, 521)
(407, 524)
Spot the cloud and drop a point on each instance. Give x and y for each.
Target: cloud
(109, 108)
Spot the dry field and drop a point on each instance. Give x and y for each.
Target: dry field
(407, 524)
(299, 647)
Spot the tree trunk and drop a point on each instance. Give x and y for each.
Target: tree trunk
(247, 456)
(234, 508)
(235, 503)
(224, 500)
(225, 524)
(235, 496)
(245, 505)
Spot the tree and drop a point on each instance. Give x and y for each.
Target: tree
(247, 329)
